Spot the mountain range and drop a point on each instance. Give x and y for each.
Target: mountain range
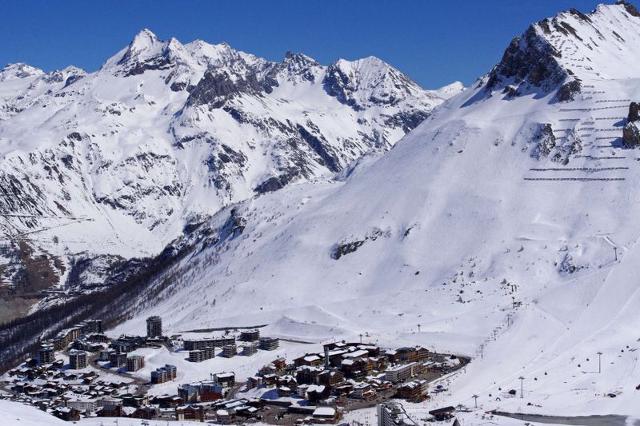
(501, 226)
(166, 134)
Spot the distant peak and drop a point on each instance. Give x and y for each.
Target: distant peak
(299, 58)
(144, 38)
(19, 70)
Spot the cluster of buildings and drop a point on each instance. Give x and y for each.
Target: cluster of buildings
(204, 348)
(312, 388)
(63, 393)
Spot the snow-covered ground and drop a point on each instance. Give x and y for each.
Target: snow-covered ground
(14, 413)
(503, 228)
(473, 235)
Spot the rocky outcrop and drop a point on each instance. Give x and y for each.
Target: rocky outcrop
(530, 62)
(631, 131)
(631, 134)
(634, 112)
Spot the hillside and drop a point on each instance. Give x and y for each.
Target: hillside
(504, 226)
(98, 168)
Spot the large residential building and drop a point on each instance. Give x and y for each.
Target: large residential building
(154, 326)
(46, 354)
(208, 342)
(163, 374)
(200, 355)
(229, 351)
(135, 362)
(250, 335)
(269, 343)
(400, 373)
(77, 359)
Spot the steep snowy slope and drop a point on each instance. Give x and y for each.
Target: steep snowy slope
(504, 226)
(165, 133)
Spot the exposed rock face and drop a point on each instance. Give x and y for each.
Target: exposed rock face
(631, 134)
(529, 61)
(634, 112)
(545, 141)
(631, 131)
(568, 91)
(560, 54)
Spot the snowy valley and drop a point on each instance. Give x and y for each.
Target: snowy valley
(501, 228)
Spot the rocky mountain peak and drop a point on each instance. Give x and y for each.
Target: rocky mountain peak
(366, 82)
(561, 53)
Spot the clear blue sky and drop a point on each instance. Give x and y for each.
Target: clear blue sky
(433, 41)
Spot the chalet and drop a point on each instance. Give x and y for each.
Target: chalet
(67, 414)
(110, 411)
(169, 401)
(412, 354)
(330, 378)
(287, 381)
(254, 382)
(354, 368)
(225, 379)
(190, 412)
(104, 354)
(325, 415)
(311, 360)
(147, 412)
(87, 406)
(363, 391)
(442, 414)
(317, 392)
(414, 391)
(307, 374)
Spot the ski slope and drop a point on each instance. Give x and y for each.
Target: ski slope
(500, 241)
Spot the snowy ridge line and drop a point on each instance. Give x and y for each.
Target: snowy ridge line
(585, 169)
(576, 179)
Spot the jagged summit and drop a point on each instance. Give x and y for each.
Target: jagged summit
(562, 52)
(166, 133)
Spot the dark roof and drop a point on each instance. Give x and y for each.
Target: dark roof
(443, 410)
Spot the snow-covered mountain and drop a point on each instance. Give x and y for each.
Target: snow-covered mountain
(166, 133)
(504, 226)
